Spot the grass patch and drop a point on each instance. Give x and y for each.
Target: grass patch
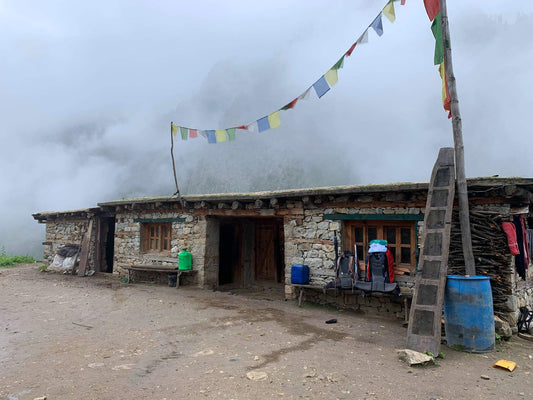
(12, 261)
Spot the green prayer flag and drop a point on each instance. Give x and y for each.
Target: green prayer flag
(339, 64)
(184, 133)
(436, 28)
(231, 134)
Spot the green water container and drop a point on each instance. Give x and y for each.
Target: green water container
(184, 260)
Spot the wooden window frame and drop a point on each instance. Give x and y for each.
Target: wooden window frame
(156, 237)
(381, 226)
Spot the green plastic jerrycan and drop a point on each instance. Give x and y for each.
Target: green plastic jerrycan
(184, 260)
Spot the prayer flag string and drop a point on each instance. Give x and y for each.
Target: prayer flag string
(321, 87)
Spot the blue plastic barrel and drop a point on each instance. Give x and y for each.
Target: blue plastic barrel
(469, 314)
(300, 274)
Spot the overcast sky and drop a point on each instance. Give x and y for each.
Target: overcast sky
(88, 90)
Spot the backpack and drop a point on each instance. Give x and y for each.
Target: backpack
(380, 274)
(346, 270)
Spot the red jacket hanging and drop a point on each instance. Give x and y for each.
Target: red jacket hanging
(510, 231)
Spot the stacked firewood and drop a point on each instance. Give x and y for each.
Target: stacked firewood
(491, 253)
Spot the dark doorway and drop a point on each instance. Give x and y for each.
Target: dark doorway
(106, 244)
(230, 253)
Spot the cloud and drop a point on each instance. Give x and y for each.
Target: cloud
(89, 90)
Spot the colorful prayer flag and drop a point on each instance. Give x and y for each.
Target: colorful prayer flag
(403, 3)
(363, 38)
(436, 28)
(174, 129)
(332, 77)
(263, 124)
(231, 134)
(389, 12)
(377, 24)
(432, 8)
(241, 127)
(305, 95)
(184, 133)
(339, 64)
(211, 137)
(193, 133)
(321, 87)
(252, 127)
(274, 120)
(446, 100)
(290, 105)
(221, 135)
(350, 50)
(202, 133)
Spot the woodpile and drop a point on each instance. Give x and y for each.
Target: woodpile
(491, 253)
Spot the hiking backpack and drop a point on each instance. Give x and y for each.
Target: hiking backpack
(346, 270)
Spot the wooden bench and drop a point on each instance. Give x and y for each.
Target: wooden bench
(404, 295)
(169, 269)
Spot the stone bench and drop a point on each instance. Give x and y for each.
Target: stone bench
(169, 269)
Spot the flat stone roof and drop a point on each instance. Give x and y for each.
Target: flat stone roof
(474, 184)
(486, 182)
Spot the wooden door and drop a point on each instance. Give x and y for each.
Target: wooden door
(266, 239)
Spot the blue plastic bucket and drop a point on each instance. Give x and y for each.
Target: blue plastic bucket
(469, 314)
(300, 274)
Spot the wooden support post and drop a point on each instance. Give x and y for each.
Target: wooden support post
(174, 165)
(462, 190)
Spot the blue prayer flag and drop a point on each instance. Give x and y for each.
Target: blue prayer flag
(321, 87)
(377, 24)
(211, 137)
(263, 124)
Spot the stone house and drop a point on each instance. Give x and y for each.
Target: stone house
(246, 239)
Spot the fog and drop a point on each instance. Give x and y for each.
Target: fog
(88, 90)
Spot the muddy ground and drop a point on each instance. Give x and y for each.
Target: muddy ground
(96, 337)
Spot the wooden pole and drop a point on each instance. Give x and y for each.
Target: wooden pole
(462, 190)
(174, 165)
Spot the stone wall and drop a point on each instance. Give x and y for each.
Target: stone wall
(62, 231)
(189, 233)
(309, 241)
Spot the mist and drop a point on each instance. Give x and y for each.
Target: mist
(89, 90)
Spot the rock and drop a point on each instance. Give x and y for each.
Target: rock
(257, 375)
(40, 398)
(412, 357)
(502, 328)
(485, 377)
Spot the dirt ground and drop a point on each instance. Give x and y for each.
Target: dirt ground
(67, 337)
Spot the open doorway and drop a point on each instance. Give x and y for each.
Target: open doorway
(250, 252)
(230, 253)
(106, 244)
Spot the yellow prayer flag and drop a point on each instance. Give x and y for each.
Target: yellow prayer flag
(274, 120)
(389, 12)
(443, 78)
(332, 77)
(174, 129)
(221, 135)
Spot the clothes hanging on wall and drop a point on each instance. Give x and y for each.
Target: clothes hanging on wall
(530, 242)
(510, 231)
(522, 259)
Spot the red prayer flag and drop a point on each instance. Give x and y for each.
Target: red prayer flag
(241, 127)
(350, 50)
(193, 133)
(432, 8)
(403, 3)
(291, 105)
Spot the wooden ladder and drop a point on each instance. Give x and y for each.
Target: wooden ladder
(424, 331)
